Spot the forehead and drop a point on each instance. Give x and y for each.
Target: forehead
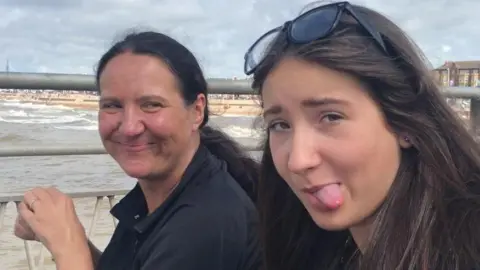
(293, 81)
(136, 74)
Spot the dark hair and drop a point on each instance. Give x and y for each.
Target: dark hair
(431, 216)
(192, 82)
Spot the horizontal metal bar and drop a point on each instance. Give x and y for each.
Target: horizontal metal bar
(461, 92)
(26, 151)
(55, 81)
(31, 151)
(16, 197)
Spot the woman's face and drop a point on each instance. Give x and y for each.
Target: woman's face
(330, 142)
(143, 122)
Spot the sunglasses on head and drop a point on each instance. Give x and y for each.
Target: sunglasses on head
(315, 24)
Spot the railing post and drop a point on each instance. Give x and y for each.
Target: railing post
(475, 115)
(28, 250)
(3, 209)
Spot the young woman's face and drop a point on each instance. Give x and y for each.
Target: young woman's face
(330, 142)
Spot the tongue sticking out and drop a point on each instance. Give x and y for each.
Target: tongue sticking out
(331, 196)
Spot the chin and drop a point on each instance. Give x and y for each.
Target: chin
(138, 170)
(331, 221)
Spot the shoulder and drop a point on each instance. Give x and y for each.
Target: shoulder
(194, 237)
(220, 195)
(212, 218)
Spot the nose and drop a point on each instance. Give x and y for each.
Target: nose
(303, 154)
(131, 123)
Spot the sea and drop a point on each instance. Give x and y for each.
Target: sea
(24, 124)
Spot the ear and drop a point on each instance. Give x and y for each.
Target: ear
(404, 140)
(198, 110)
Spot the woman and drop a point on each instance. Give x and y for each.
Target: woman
(191, 208)
(365, 166)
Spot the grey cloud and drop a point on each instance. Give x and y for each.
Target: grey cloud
(41, 3)
(69, 36)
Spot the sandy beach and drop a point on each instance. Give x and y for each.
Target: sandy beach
(238, 107)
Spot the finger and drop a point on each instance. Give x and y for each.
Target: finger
(22, 230)
(20, 220)
(22, 223)
(19, 230)
(42, 194)
(28, 216)
(30, 199)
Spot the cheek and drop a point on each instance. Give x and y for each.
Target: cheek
(279, 157)
(161, 125)
(107, 123)
(369, 167)
(171, 127)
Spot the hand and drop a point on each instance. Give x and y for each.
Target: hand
(51, 217)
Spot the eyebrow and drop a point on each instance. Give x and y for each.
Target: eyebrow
(307, 103)
(140, 99)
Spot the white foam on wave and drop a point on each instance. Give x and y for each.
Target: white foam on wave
(92, 127)
(60, 116)
(14, 113)
(43, 120)
(233, 131)
(28, 105)
(241, 132)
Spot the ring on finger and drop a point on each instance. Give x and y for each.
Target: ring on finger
(30, 205)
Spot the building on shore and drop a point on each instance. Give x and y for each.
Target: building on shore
(458, 73)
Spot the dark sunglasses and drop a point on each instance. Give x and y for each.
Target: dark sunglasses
(315, 24)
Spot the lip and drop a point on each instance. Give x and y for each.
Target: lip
(313, 189)
(139, 147)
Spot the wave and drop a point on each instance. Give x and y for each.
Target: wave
(14, 113)
(92, 127)
(241, 132)
(43, 120)
(29, 105)
(82, 120)
(27, 113)
(13, 138)
(233, 131)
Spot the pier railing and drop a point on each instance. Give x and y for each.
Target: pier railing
(87, 83)
(37, 261)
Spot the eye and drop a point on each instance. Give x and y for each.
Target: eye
(278, 126)
(110, 106)
(331, 117)
(152, 106)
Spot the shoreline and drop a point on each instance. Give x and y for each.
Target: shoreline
(217, 107)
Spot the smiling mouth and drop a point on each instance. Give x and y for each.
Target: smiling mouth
(135, 147)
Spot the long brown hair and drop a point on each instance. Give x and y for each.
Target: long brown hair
(430, 218)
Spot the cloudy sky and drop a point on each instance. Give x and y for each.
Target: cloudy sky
(68, 36)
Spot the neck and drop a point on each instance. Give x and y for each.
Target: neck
(361, 234)
(156, 191)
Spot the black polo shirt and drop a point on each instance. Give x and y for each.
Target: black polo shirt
(207, 223)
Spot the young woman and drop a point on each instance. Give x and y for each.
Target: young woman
(192, 208)
(365, 166)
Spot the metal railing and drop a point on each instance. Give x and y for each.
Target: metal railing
(38, 261)
(87, 83)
